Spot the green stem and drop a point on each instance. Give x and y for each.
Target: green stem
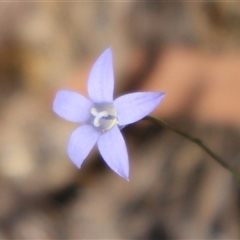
(196, 141)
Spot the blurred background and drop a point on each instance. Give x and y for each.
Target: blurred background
(191, 50)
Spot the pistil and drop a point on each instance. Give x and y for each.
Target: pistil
(104, 117)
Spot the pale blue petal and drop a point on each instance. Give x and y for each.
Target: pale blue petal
(135, 106)
(72, 106)
(101, 79)
(113, 149)
(81, 143)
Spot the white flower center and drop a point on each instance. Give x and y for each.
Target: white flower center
(104, 116)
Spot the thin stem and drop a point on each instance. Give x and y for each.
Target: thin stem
(196, 141)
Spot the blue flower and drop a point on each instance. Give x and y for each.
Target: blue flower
(102, 117)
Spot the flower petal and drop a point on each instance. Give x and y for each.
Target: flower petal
(101, 79)
(72, 106)
(135, 106)
(113, 149)
(81, 143)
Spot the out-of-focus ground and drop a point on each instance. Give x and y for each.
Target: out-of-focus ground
(189, 50)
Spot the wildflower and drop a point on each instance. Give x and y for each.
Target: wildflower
(102, 117)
